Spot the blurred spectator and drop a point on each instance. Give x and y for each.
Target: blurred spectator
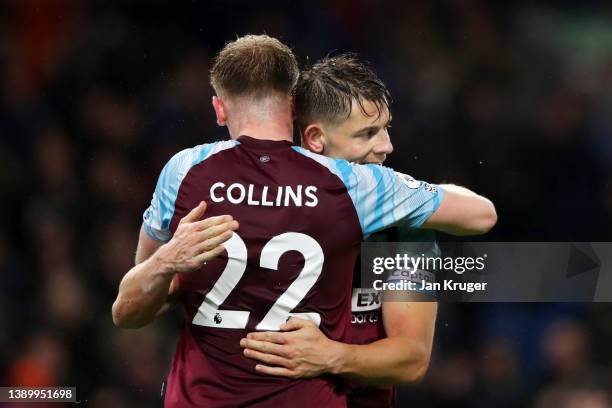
(500, 381)
(41, 363)
(575, 396)
(565, 348)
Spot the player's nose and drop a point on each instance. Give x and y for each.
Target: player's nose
(383, 145)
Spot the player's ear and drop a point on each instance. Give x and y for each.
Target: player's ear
(313, 138)
(219, 111)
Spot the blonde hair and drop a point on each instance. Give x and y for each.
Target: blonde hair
(254, 65)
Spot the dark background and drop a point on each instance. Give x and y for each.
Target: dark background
(512, 99)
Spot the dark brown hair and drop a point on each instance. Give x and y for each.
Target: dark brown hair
(254, 65)
(326, 90)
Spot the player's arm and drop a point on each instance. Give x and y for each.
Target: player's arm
(143, 291)
(147, 246)
(462, 212)
(385, 198)
(158, 301)
(303, 351)
(403, 356)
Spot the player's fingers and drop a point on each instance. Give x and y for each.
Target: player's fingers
(213, 231)
(212, 221)
(267, 358)
(276, 371)
(195, 214)
(272, 337)
(264, 347)
(295, 323)
(209, 255)
(212, 243)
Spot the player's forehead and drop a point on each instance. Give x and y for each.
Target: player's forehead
(368, 113)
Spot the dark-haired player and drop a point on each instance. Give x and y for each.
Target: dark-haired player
(302, 216)
(342, 111)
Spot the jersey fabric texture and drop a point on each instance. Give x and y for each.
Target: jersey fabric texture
(302, 217)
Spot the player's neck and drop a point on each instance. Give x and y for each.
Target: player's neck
(268, 118)
(272, 127)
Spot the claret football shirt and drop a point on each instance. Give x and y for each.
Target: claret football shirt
(302, 218)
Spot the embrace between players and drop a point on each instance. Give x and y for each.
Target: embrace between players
(265, 278)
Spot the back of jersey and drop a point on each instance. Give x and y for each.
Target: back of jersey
(293, 255)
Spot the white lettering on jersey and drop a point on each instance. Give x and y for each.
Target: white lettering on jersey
(251, 200)
(295, 196)
(264, 197)
(365, 317)
(285, 196)
(212, 192)
(310, 193)
(365, 300)
(230, 196)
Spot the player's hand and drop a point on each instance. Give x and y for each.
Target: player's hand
(196, 241)
(301, 350)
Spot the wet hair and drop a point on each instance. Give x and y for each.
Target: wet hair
(326, 91)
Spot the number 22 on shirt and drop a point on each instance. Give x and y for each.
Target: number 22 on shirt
(210, 315)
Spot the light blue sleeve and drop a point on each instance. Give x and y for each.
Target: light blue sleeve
(381, 196)
(157, 218)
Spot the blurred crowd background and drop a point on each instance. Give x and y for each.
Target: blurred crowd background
(512, 99)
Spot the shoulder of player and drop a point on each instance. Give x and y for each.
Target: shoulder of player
(185, 159)
(347, 171)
